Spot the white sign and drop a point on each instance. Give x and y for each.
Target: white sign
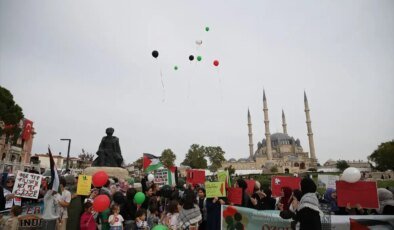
(328, 180)
(27, 185)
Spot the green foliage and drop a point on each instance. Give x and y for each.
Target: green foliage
(385, 183)
(10, 112)
(230, 170)
(383, 156)
(342, 165)
(195, 157)
(216, 157)
(85, 156)
(168, 157)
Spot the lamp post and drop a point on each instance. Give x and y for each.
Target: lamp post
(68, 151)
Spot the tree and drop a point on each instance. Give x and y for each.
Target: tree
(85, 156)
(10, 112)
(383, 156)
(195, 157)
(216, 157)
(168, 157)
(138, 163)
(342, 165)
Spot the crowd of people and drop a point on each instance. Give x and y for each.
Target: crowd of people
(176, 207)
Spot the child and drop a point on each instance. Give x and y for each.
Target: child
(140, 220)
(115, 220)
(87, 219)
(153, 216)
(171, 217)
(12, 222)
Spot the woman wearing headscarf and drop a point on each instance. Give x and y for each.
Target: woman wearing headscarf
(386, 202)
(268, 203)
(241, 183)
(284, 202)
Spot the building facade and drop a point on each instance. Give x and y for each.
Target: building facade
(279, 151)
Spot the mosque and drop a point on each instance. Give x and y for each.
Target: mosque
(279, 151)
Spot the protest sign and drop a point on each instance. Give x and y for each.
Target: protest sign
(362, 192)
(234, 195)
(215, 189)
(278, 182)
(223, 176)
(164, 176)
(195, 176)
(84, 185)
(27, 185)
(328, 180)
(250, 187)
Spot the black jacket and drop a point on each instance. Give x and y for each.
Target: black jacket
(309, 219)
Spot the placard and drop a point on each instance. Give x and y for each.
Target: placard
(215, 189)
(234, 195)
(278, 182)
(223, 176)
(84, 185)
(27, 185)
(364, 193)
(250, 188)
(195, 176)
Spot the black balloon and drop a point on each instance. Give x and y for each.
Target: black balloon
(191, 57)
(155, 53)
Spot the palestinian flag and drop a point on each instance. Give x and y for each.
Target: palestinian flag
(173, 175)
(151, 162)
(54, 185)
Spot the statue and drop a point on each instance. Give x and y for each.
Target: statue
(109, 151)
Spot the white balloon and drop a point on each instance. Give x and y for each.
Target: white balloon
(151, 177)
(351, 175)
(199, 42)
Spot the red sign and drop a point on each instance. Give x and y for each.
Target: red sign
(27, 129)
(278, 182)
(364, 193)
(234, 195)
(250, 188)
(195, 176)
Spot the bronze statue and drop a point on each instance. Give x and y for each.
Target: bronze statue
(109, 151)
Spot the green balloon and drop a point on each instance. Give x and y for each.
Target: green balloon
(160, 227)
(207, 28)
(175, 67)
(199, 58)
(139, 198)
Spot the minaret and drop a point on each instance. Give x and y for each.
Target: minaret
(267, 128)
(309, 127)
(250, 133)
(284, 125)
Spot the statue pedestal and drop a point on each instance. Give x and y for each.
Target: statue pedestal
(117, 172)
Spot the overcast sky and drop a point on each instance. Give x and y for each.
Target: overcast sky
(78, 67)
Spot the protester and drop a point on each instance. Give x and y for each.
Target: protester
(241, 183)
(10, 198)
(153, 216)
(64, 201)
(140, 221)
(201, 201)
(386, 202)
(284, 201)
(87, 219)
(128, 209)
(170, 218)
(268, 203)
(214, 213)
(190, 214)
(115, 220)
(51, 210)
(12, 222)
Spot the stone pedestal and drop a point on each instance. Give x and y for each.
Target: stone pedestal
(117, 172)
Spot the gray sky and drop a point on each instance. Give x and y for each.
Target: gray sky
(78, 67)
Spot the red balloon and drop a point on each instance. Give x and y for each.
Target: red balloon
(216, 63)
(101, 203)
(99, 179)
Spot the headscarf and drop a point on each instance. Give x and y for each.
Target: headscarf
(330, 200)
(308, 186)
(385, 198)
(285, 199)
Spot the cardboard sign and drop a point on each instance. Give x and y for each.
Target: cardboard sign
(84, 185)
(223, 176)
(234, 195)
(250, 188)
(215, 189)
(162, 177)
(27, 185)
(195, 176)
(278, 182)
(363, 192)
(328, 180)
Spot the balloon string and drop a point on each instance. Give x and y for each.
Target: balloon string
(162, 84)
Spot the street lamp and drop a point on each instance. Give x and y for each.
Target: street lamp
(68, 151)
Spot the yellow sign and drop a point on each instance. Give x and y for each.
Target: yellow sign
(223, 176)
(215, 189)
(84, 185)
